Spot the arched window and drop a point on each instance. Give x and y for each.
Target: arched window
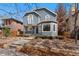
(30, 19)
(47, 17)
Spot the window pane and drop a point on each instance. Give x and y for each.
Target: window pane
(30, 17)
(46, 27)
(53, 27)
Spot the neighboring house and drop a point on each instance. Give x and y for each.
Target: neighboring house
(15, 26)
(71, 23)
(71, 20)
(41, 21)
(1, 26)
(0, 31)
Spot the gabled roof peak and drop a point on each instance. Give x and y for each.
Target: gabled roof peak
(45, 9)
(30, 12)
(35, 11)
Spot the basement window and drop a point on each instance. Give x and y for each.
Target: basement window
(46, 27)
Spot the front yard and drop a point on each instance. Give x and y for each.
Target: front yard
(38, 46)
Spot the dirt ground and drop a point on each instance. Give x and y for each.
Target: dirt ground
(41, 47)
(54, 47)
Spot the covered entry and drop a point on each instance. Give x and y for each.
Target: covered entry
(31, 29)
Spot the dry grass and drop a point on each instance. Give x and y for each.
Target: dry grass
(48, 47)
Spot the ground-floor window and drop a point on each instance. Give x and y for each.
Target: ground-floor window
(46, 27)
(54, 27)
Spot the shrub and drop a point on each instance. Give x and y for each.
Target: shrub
(6, 31)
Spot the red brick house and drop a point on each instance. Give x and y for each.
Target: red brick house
(16, 27)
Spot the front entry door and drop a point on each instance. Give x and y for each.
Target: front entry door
(37, 30)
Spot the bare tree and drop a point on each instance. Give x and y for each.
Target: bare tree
(61, 13)
(75, 27)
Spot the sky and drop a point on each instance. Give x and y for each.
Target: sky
(17, 11)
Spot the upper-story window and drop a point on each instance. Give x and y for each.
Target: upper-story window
(30, 19)
(47, 17)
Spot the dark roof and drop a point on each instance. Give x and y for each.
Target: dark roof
(47, 22)
(46, 10)
(14, 20)
(32, 12)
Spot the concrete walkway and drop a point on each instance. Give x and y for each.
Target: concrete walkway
(10, 52)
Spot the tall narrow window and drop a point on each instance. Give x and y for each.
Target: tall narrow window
(30, 19)
(54, 27)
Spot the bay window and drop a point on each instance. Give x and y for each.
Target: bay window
(46, 27)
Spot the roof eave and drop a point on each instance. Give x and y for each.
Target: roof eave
(46, 9)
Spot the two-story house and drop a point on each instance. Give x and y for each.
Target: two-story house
(41, 21)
